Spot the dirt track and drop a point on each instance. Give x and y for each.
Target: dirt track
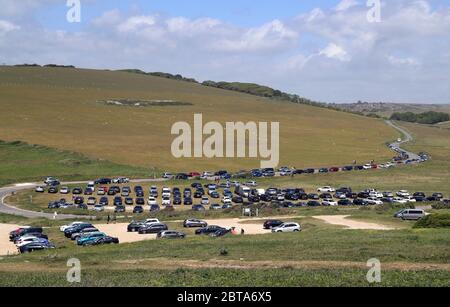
(342, 220)
(7, 247)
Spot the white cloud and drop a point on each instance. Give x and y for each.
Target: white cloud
(6, 26)
(334, 51)
(325, 54)
(136, 23)
(346, 4)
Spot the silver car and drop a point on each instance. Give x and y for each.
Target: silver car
(411, 214)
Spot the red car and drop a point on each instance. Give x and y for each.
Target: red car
(374, 166)
(194, 174)
(334, 169)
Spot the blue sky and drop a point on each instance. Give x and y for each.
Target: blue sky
(326, 50)
(240, 12)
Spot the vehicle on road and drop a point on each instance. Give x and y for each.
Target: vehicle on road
(152, 228)
(287, 227)
(207, 230)
(191, 223)
(411, 214)
(171, 234)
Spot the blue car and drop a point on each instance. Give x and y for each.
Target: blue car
(90, 238)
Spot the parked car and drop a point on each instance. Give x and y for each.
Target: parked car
(326, 189)
(39, 189)
(152, 228)
(103, 181)
(73, 224)
(64, 190)
(198, 208)
(191, 223)
(13, 235)
(329, 202)
(87, 239)
(269, 224)
(411, 214)
(138, 210)
(35, 246)
(287, 227)
(103, 241)
(208, 229)
(171, 234)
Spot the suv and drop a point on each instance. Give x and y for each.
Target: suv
(411, 214)
(208, 230)
(287, 227)
(269, 224)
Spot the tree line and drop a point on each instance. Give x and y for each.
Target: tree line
(430, 117)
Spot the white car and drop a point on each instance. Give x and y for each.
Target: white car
(373, 201)
(39, 189)
(226, 200)
(326, 189)
(121, 180)
(400, 200)
(98, 208)
(375, 194)
(166, 201)
(64, 227)
(205, 201)
(251, 184)
(64, 190)
(101, 192)
(410, 199)
(151, 221)
(367, 166)
(329, 202)
(28, 240)
(166, 192)
(403, 193)
(388, 194)
(280, 197)
(207, 175)
(152, 201)
(49, 180)
(167, 175)
(287, 227)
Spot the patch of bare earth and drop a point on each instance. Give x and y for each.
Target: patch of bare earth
(343, 220)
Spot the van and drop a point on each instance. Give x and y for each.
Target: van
(411, 214)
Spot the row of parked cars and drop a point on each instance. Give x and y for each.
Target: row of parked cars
(86, 234)
(29, 239)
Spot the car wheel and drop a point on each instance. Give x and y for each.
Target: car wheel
(296, 230)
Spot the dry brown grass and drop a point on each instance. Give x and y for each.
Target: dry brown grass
(57, 108)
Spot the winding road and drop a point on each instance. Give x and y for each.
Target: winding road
(9, 190)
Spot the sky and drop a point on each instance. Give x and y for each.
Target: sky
(326, 50)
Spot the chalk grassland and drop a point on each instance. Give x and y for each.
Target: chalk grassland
(321, 255)
(58, 108)
(22, 162)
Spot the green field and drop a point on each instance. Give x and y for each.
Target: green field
(321, 255)
(22, 162)
(60, 108)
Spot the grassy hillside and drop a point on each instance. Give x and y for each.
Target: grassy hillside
(59, 108)
(22, 162)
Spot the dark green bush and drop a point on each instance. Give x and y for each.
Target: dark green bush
(438, 220)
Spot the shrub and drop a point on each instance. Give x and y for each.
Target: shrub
(439, 220)
(441, 205)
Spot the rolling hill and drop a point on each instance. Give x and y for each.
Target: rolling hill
(62, 108)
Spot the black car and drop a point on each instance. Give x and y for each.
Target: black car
(344, 190)
(140, 201)
(207, 230)
(103, 181)
(199, 194)
(438, 195)
(325, 196)
(310, 171)
(347, 168)
(182, 177)
(359, 202)
(77, 191)
(140, 193)
(345, 202)
(313, 196)
(79, 200)
(13, 235)
(237, 200)
(152, 228)
(220, 233)
(134, 226)
(176, 201)
(313, 203)
(363, 195)
(35, 246)
(188, 201)
(71, 230)
(129, 201)
(118, 201)
(196, 185)
(269, 224)
(138, 210)
(254, 198)
(104, 201)
(52, 190)
(54, 205)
